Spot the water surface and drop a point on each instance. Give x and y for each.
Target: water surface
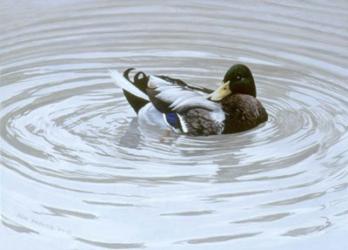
(79, 172)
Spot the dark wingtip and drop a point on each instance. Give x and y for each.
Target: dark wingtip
(140, 76)
(136, 102)
(126, 73)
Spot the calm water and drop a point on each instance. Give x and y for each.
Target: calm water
(79, 172)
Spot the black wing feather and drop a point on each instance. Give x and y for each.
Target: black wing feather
(184, 84)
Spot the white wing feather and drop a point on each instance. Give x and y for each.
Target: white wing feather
(179, 97)
(123, 83)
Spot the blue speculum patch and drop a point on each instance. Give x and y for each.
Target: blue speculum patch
(173, 119)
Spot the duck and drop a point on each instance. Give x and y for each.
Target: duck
(188, 109)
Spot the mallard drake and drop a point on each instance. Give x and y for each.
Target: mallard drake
(192, 110)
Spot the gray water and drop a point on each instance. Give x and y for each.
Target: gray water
(79, 172)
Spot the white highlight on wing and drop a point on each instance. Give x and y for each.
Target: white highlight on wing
(123, 83)
(179, 97)
(183, 124)
(182, 99)
(155, 82)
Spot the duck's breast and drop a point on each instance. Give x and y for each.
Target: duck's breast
(244, 112)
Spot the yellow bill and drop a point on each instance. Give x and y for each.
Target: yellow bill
(220, 92)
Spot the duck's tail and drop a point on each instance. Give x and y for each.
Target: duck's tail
(134, 90)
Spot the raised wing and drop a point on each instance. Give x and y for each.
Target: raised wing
(168, 97)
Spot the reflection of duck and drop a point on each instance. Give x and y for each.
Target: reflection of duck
(232, 107)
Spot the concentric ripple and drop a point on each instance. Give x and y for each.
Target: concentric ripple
(79, 171)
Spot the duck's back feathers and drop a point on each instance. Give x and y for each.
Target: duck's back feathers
(181, 83)
(166, 93)
(168, 97)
